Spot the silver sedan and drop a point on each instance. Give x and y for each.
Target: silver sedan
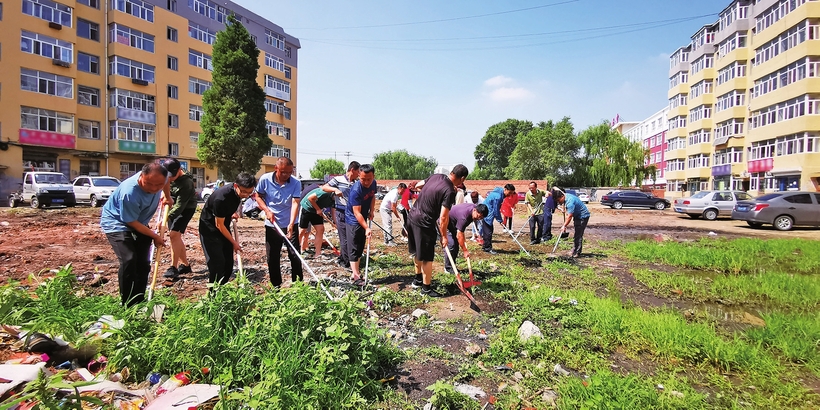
(783, 210)
(710, 204)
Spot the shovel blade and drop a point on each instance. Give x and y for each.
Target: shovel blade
(470, 283)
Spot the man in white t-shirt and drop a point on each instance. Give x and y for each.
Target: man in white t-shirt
(388, 208)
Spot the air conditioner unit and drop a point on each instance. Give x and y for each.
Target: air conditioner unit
(139, 81)
(56, 26)
(61, 63)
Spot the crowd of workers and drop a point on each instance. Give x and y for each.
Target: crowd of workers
(437, 210)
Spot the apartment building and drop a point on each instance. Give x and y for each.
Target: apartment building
(744, 101)
(651, 133)
(105, 85)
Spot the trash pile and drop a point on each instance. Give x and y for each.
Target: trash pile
(41, 364)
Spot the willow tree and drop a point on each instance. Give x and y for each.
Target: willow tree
(234, 135)
(609, 158)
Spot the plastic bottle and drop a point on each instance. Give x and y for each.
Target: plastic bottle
(179, 379)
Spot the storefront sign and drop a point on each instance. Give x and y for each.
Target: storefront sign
(137, 146)
(47, 139)
(761, 165)
(721, 170)
(138, 116)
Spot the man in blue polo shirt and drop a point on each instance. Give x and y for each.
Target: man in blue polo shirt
(125, 218)
(361, 203)
(575, 209)
(493, 201)
(277, 194)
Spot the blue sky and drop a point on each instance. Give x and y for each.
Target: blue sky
(434, 88)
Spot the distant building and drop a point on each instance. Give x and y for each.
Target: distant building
(651, 133)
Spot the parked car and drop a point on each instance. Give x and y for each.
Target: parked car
(582, 196)
(41, 189)
(522, 196)
(783, 210)
(710, 204)
(94, 190)
(209, 189)
(638, 199)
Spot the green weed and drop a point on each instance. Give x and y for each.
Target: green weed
(795, 336)
(445, 397)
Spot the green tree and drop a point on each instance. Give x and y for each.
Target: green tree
(609, 158)
(234, 136)
(327, 166)
(403, 165)
(493, 153)
(547, 152)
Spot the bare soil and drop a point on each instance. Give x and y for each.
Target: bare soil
(36, 241)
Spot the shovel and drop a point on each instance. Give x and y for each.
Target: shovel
(386, 234)
(472, 282)
(238, 254)
(367, 262)
(299, 255)
(158, 250)
(460, 284)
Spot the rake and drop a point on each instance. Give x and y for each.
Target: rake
(301, 259)
(158, 249)
(238, 254)
(367, 262)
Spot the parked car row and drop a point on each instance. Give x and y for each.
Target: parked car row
(783, 210)
(634, 199)
(41, 189)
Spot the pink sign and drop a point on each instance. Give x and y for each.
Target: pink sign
(47, 139)
(761, 165)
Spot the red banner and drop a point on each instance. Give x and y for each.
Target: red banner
(47, 139)
(761, 165)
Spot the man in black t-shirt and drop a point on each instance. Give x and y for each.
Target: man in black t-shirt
(431, 207)
(215, 226)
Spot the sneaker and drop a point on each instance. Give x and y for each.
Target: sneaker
(491, 252)
(416, 284)
(172, 272)
(429, 291)
(358, 282)
(546, 239)
(183, 269)
(534, 242)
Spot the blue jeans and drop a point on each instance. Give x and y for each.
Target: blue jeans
(487, 235)
(546, 234)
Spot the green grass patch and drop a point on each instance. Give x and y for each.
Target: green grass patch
(780, 290)
(745, 255)
(794, 336)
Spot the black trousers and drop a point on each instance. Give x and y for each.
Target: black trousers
(536, 227)
(487, 235)
(578, 240)
(404, 215)
(133, 250)
(218, 252)
(273, 248)
(452, 247)
(547, 232)
(341, 229)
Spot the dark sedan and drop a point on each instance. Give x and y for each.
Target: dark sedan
(636, 199)
(783, 210)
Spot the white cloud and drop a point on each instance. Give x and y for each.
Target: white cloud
(498, 81)
(511, 94)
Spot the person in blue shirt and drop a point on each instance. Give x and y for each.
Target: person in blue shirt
(575, 210)
(277, 195)
(493, 201)
(361, 203)
(124, 220)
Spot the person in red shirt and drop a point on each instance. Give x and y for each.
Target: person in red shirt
(507, 209)
(404, 207)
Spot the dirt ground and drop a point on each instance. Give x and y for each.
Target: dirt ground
(36, 241)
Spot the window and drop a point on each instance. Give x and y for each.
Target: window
(702, 38)
(132, 100)
(274, 62)
(131, 69)
(287, 51)
(274, 128)
(274, 106)
(761, 150)
(776, 12)
(675, 165)
(701, 88)
(48, 11)
(173, 64)
(172, 34)
(731, 99)
(194, 139)
(287, 72)
(677, 122)
(679, 78)
(698, 161)
(195, 112)
(136, 8)
(201, 33)
(786, 110)
(88, 96)
(89, 30)
(700, 112)
(88, 63)
(131, 37)
(173, 149)
(90, 3)
(276, 151)
(732, 71)
(728, 156)
(128, 169)
(677, 101)
(173, 121)
(798, 199)
(172, 5)
(201, 60)
(88, 130)
(173, 91)
(701, 136)
(702, 63)
(796, 144)
(277, 84)
(729, 128)
(792, 73)
(287, 113)
(132, 131)
(46, 83)
(211, 10)
(736, 12)
(676, 143)
(197, 86)
(805, 30)
(45, 46)
(46, 120)
(89, 167)
(737, 40)
(275, 39)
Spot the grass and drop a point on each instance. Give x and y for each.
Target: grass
(796, 337)
(773, 290)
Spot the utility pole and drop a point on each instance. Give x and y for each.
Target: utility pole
(347, 154)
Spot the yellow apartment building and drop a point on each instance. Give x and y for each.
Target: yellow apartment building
(744, 100)
(100, 87)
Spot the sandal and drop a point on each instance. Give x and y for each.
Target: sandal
(358, 282)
